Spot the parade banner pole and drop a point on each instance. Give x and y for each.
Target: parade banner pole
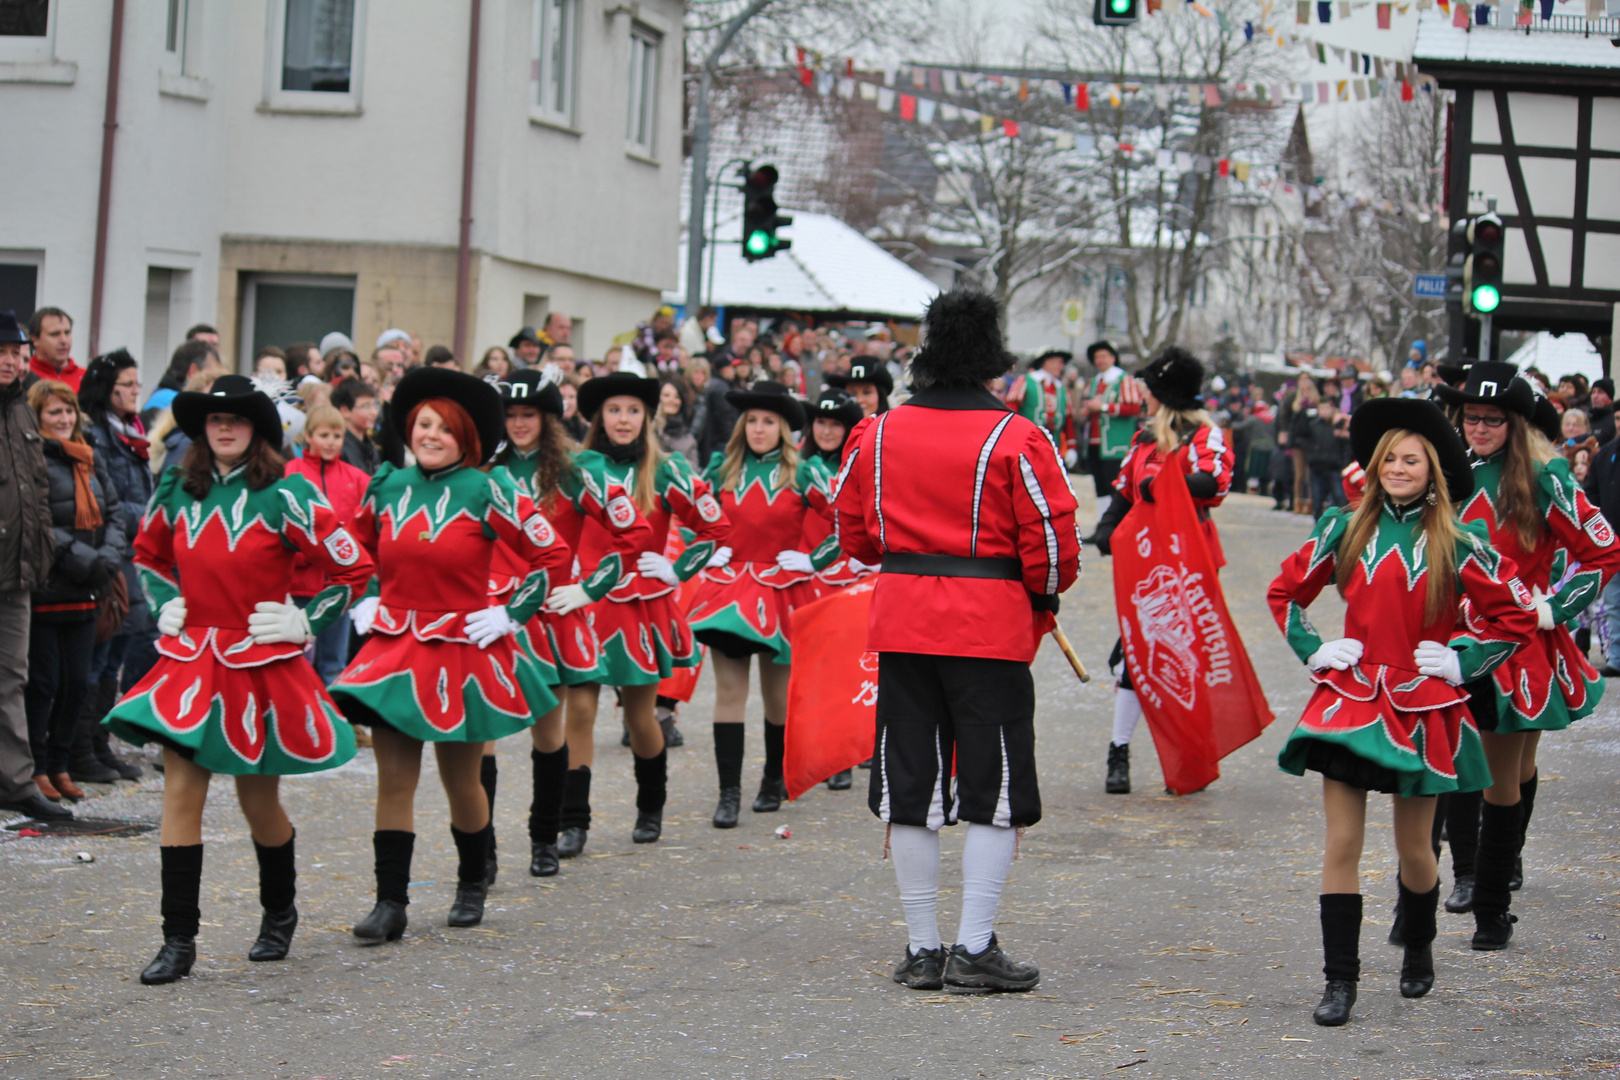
(1062, 640)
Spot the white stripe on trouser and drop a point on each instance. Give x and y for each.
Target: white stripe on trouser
(1127, 711)
(1002, 818)
(987, 855)
(882, 764)
(914, 851)
(936, 798)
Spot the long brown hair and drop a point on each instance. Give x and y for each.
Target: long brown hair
(264, 467)
(732, 467)
(1440, 532)
(645, 493)
(551, 460)
(1515, 498)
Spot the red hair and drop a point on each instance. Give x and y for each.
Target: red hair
(456, 421)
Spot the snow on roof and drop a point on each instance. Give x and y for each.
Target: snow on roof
(829, 268)
(1438, 40)
(1569, 354)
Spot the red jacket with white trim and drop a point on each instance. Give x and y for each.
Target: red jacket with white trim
(952, 472)
(1204, 453)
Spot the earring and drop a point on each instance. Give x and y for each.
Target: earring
(1433, 496)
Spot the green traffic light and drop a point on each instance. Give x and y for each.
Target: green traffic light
(1486, 299)
(1119, 7)
(759, 242)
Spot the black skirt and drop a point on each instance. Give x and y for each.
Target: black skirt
(1337, 762)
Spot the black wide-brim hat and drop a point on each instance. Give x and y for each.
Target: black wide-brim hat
(1373, 418)
(836, 405)
(1546, 419)
(773, 397)
(865, 371)
(11, 331)
(525, 334)
(530, 387)
(1493, 382)
(481, 400)
(1454, 375)
(1175, 378)
(234, 394)
(1043, 357)
(618, 384)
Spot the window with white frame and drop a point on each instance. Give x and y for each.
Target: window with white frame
(26, 29)
(556, 51)
(174, 34)
(315, 51)
(642, 130)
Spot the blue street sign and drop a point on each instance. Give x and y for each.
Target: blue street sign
(1432, 286)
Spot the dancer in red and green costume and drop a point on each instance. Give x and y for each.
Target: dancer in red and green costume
(1390, 713)
(750, 588)
(570, 487)
(231, 691)
(643, 632)
(1041, 397)
(1537, 515)
(821, 454)
(441, 665)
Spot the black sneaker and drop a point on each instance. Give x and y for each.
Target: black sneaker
(921, 971)
(989, 970)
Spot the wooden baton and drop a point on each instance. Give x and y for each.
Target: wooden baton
(1068, 650)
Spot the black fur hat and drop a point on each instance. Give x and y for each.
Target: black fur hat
(1175, 379)
(962, 341)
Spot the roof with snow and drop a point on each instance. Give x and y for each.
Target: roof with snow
(830, 268)
(1439, 41)
(1567, 354)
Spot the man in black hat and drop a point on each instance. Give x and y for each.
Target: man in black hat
(527, 348)
(27, 550)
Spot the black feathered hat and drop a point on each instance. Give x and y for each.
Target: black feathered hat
(618, 384)
(962, 341)
(1373, 418)
(481, 400)
(1046, 354)
(865, 369)
(772, 396)
(525, 334)
(234, 394)
(1493, 382)
(837, 405)
(1545, 418)
(530, 387)
(1175, 378)
(1100, 346)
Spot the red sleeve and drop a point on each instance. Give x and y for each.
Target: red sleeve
(850, 497)
(511, 517)
(1211, 453)
(1043, 507)
(627, 528)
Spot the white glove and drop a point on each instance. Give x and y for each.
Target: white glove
(364, 614)
(796, 561)
(1439, 661)
(860, 567)
(653, 565)
(566, 598)
(273, 623)
(719, 560)
(1071, 457)
(172, 617)
(1544, 611)
(1338, 655)
(490, 625)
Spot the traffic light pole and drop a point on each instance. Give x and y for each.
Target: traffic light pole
(1484, 338)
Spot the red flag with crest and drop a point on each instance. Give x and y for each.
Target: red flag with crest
(682, 682)
(1197, 687)
(832, 691)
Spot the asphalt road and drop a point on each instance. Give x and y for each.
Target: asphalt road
(1177, 937)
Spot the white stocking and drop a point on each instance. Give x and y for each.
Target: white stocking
(914, 851)
(986, 856)
(1127, 711)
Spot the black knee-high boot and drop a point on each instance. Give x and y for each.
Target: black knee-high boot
(1527, 802)
(278, 885)
(729, 742)
(1500, 831)
(1462, 833)
(1417, 966)
(472, 884)
(771, 789)
(393, 850)
(1341, 956)
(576, 812)
(545, 812)
(488, 774)
(182, 914)
(652, 791)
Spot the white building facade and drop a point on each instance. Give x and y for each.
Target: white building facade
(284, 168)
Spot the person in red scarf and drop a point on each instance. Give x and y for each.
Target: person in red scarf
(50, 331)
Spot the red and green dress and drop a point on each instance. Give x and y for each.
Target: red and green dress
(567, 643)
(747, 605)
(643, 632)
(1379, 724)
(1549, 684)
(818, 475)
(433, 538)
(228, 704)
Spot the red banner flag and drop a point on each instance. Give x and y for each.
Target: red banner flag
(1198, 690)
(682, 681)
(832, 692)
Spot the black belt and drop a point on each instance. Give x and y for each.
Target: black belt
(952, 566)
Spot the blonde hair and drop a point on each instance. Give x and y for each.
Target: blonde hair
(645, 493)
(787, 470)
(321, 416)
(1171, 426)
(1440, 531)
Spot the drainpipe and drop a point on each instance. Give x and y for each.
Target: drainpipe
(109, 126)
(464, 251)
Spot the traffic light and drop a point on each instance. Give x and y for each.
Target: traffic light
(1116, 12)
(760, 219)
(1482, 273)
(1457, 264)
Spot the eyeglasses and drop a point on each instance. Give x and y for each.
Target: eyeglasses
(1484, 421)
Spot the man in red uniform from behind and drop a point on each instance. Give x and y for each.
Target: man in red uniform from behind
(969, 511)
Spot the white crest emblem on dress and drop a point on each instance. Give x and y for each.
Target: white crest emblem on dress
(1598, 529)
(1521, 594)
(708, 509)
(1166, 619)
(621, 511)
(539, 531)
(342, 547)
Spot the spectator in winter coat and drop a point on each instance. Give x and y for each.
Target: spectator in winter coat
(344, 486)
(1602, 411)
(722, 415)
(356, 402)
(89, 549)
(1323, 433)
